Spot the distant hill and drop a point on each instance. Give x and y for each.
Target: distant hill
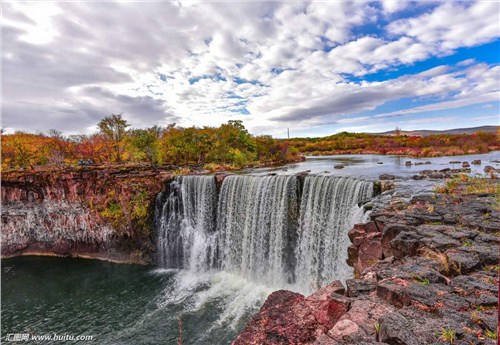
(424, 132)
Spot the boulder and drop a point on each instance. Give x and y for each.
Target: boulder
(394, 292)
(488, 168)
(283, 319)
(327, 307)
(389, 233)
(405, 244)
(387, 177)
(338, 166)
(462, 262)
(360, 287)
(465, 164)
(396, 329)
(343, 328)
(476, 162)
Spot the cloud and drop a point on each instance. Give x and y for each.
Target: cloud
(66, 65)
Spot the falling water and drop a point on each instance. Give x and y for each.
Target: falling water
(256, 217)
(185, 223)
(281, 230)
(326, 215)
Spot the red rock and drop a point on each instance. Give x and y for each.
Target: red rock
(394, 292)
(290, 318)
(343, 328)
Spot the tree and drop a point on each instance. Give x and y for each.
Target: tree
(145, 142)
(114, 127)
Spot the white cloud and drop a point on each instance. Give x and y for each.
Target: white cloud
(205, 63)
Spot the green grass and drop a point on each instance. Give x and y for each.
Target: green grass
(448, 335)
(491, 334)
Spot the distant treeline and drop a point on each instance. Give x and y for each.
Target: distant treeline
(227, 146)
(419, 146)
(224, 147)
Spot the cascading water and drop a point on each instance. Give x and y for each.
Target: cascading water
(326, 215)
(282, 230)
(185, 223)
(256, 225)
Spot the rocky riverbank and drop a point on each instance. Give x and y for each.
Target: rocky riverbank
(426, 272)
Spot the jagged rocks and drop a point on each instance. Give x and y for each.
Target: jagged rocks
(290, 318)
(387, 177)
(424, 270)
(360, 287)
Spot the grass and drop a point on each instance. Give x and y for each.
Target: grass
(422, 281)
(448, 335)
(491, 268)
(465, 184)
(439, 257)
(467, 243)
(491, 334)
(377, 329)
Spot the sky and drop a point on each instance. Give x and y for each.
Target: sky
(317, 68)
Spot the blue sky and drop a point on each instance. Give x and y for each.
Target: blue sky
(316, 68)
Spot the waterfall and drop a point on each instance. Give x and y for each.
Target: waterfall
(255, 226)
(326, 215)
(281, 230)
(185, 223)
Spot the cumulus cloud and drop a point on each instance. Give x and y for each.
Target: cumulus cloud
(67, 65)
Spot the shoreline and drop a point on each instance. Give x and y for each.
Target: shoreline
(85, 256)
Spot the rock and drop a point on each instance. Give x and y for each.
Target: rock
(471, 283)
(326, 307)
(408, 163)
(394, 292)
(488, 169)
(343, 328)
(387, 185)
(465, 165)
(455, 162)
(389, 233)
(405, 244)
(365, 312)
(380, 162)
(386, 177)
(396, 329)
(476, 162)
(335, 287)
(487, 254)
(338, 167)
(324, 339)
(370, 251)
(360, 287)
(462, 262)
(283, 319)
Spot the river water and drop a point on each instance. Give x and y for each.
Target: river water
(131, 304)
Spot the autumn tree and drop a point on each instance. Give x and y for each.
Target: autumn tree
(144, 143)
(114, 128)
